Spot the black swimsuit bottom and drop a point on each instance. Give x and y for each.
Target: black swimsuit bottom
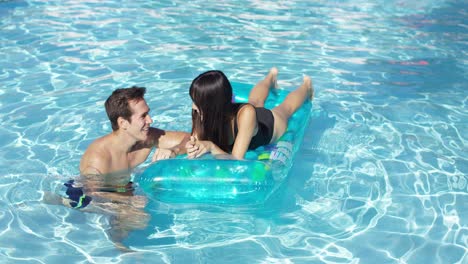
(265, 123)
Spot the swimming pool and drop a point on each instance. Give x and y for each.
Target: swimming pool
(382, 173)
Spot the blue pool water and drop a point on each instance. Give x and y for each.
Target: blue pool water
(381, 176)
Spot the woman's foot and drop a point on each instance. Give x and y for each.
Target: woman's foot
(310, 88)
(273, 77)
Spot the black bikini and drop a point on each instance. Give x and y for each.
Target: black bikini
(265, 123)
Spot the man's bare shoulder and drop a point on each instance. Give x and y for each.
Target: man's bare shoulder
(99, 146)
(97, 157)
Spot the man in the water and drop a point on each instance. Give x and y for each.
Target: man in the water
(108, 161)
(105, 169)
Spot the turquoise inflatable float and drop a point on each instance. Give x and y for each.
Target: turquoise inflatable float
(230, 182)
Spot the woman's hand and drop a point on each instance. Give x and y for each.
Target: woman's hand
(161, 154)
(196, 148)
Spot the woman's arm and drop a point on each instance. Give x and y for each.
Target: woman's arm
(247, 128)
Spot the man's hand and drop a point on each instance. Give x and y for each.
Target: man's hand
(161, 154)
(138, 201)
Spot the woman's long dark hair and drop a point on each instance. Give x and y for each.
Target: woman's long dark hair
(211, 92)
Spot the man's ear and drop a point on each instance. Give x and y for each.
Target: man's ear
(123, 124)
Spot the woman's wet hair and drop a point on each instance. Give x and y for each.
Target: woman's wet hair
(211, 92)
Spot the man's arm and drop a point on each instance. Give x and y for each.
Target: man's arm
(168, 139)
(173, 140)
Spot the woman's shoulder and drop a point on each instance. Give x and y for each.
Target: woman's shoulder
(243, 108)
(246, 112)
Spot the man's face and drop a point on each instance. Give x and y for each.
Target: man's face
(140, 120)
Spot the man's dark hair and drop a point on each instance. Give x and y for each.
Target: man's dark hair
(117, 105)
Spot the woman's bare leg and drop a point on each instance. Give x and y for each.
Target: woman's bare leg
(289, 106)
(259, 93)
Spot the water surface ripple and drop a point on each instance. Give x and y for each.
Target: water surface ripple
(381, 176)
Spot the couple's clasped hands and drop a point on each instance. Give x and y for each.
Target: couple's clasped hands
(195, 149)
